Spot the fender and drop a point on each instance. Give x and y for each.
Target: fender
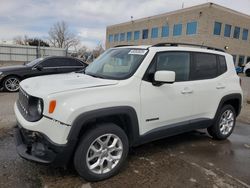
(82, 119)
(226, 98)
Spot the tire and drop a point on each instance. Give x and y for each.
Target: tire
(224, 123)
(85, 157)
(248, 72)
(11, 84)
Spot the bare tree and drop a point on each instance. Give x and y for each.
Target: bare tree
(61, 37)
(98, 50)
(21, 40)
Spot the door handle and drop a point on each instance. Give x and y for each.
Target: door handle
(186, 91)
(220, 86)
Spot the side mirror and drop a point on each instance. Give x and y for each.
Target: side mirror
(39, 67)
(164, 77)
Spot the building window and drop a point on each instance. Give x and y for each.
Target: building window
(241, 60)
(245, 34)
(191, 28)
(234, 59)
(177, 29)
(136, 35)
(145, 34)
(116, 37)
(129, 36)
(237, 32)
(227, 31)
(217, 28)
(154, 32)
(165, 31)
(110, 38)
(122, 36)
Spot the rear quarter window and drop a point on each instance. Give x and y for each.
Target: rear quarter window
(222, 65)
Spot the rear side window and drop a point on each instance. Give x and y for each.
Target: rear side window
(222, 65)
(205, 66)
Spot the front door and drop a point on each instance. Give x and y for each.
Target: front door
(168, 104)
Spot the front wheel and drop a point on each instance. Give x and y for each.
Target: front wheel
(11, 84)
(101, 152)
(224, 123)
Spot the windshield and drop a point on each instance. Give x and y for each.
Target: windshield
(34, 62)
(119, 63)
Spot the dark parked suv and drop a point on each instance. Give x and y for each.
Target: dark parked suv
(11, 76)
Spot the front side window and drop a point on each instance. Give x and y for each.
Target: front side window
(245, 34)
(154, 32)
(145, 34)
(122, 36)
(179, 62)
(177, 29)
(227, 31)
(237, 32)
(119, 63)
(205, 66)
(136, 35)
(129, 36)
(191, 28)
(217, 28)
(165, 31)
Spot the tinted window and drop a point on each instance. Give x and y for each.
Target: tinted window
(205, 66)
(110, 38)
(116, 37)
(222, 64)
(165, 31)
(177, 29)
(122, 36)
(59, 62)
(154, 32)
(245, 34)
(227, 31)
(241, 60)
(236, 32)
(179, 62)
(145, 34)
(217, 28)
(49, 62)
(191, 28)
(129, 36)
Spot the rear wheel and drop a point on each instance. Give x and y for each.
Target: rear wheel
(224, 123)
(11, 84)
(248, 72)
(101, 152)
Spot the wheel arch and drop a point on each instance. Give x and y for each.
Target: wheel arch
(233, 99)
(123, 116)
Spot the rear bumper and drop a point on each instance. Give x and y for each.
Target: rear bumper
(36, 147)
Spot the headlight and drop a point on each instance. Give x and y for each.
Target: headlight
(39, 106)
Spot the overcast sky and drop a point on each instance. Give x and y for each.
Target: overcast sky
(86, 18)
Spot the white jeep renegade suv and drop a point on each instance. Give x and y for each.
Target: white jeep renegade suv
(130, 95)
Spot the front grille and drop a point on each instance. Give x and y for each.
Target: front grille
(23, 102)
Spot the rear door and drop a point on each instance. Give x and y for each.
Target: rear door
(207, 85)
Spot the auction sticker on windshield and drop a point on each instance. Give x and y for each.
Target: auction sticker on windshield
(137, 52)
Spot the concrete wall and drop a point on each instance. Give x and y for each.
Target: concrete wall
(12, 54)
(205, 15)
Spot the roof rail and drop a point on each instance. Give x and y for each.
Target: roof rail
(123, 45)
(186, 44)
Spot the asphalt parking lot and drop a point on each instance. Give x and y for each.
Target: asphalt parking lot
(188, 160)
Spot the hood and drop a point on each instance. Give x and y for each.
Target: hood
(44, 85)
(13, 68)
